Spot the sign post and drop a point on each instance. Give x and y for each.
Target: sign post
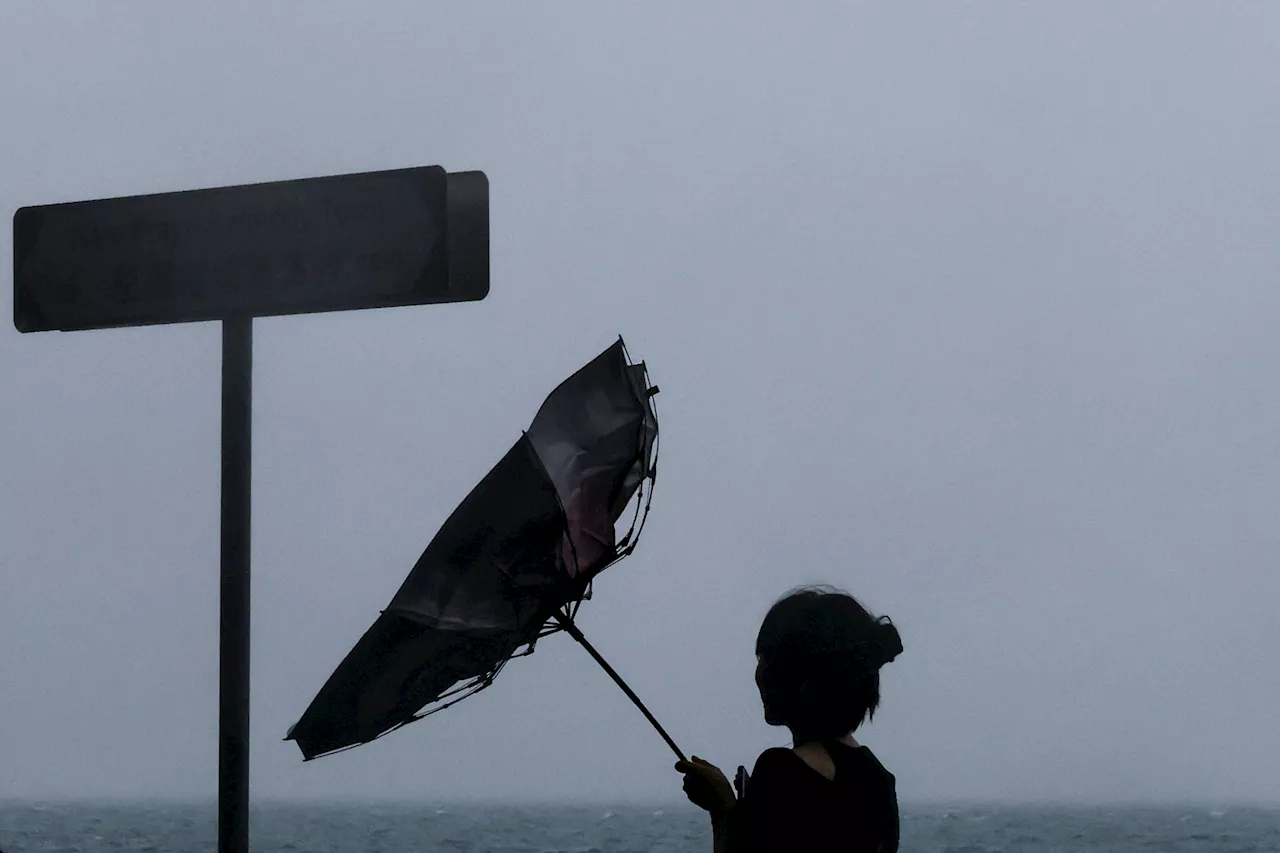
(233, 647)
(347, 242)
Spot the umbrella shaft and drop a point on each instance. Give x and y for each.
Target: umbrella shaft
(572, 630)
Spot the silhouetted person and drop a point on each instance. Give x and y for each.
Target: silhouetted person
(819, 654)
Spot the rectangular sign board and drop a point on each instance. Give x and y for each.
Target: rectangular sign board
(369, 240)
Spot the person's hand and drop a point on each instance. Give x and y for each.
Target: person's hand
(706, 787)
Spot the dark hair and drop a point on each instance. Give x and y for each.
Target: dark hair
(820, 655)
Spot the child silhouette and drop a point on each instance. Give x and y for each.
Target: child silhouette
(819, 654)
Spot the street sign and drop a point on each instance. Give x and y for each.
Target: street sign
(369, 240)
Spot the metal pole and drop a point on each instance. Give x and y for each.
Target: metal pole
(233, 683)
(572, 630)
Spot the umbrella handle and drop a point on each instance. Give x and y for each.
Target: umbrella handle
(572, 630)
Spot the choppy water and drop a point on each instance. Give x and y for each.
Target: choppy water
(156, 828)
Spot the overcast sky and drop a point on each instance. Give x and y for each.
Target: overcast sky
(969, 308)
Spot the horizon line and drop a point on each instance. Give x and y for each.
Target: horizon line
(945, 803)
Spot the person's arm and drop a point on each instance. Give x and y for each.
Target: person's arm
(708, 789)
(894, 820)
(724, 837)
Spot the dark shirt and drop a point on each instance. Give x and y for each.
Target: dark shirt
(790, 807)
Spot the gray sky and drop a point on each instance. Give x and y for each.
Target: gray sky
(969, 308)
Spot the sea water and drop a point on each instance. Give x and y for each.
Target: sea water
(671, 828)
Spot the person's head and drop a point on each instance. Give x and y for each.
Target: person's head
(819, 655)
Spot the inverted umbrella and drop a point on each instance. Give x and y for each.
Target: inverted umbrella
(510, 566)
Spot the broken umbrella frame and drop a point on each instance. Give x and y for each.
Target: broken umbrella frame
(509, 567)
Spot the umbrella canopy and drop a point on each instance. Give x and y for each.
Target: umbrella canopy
(509, 566)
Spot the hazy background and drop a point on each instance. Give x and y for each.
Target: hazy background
(970, 308)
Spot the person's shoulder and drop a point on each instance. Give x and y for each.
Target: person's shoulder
(773, 778)
(864, 753)
(773, 758)
(869, 761)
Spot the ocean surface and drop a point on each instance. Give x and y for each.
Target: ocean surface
(382, 828)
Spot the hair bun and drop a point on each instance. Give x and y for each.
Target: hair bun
(888, 641)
